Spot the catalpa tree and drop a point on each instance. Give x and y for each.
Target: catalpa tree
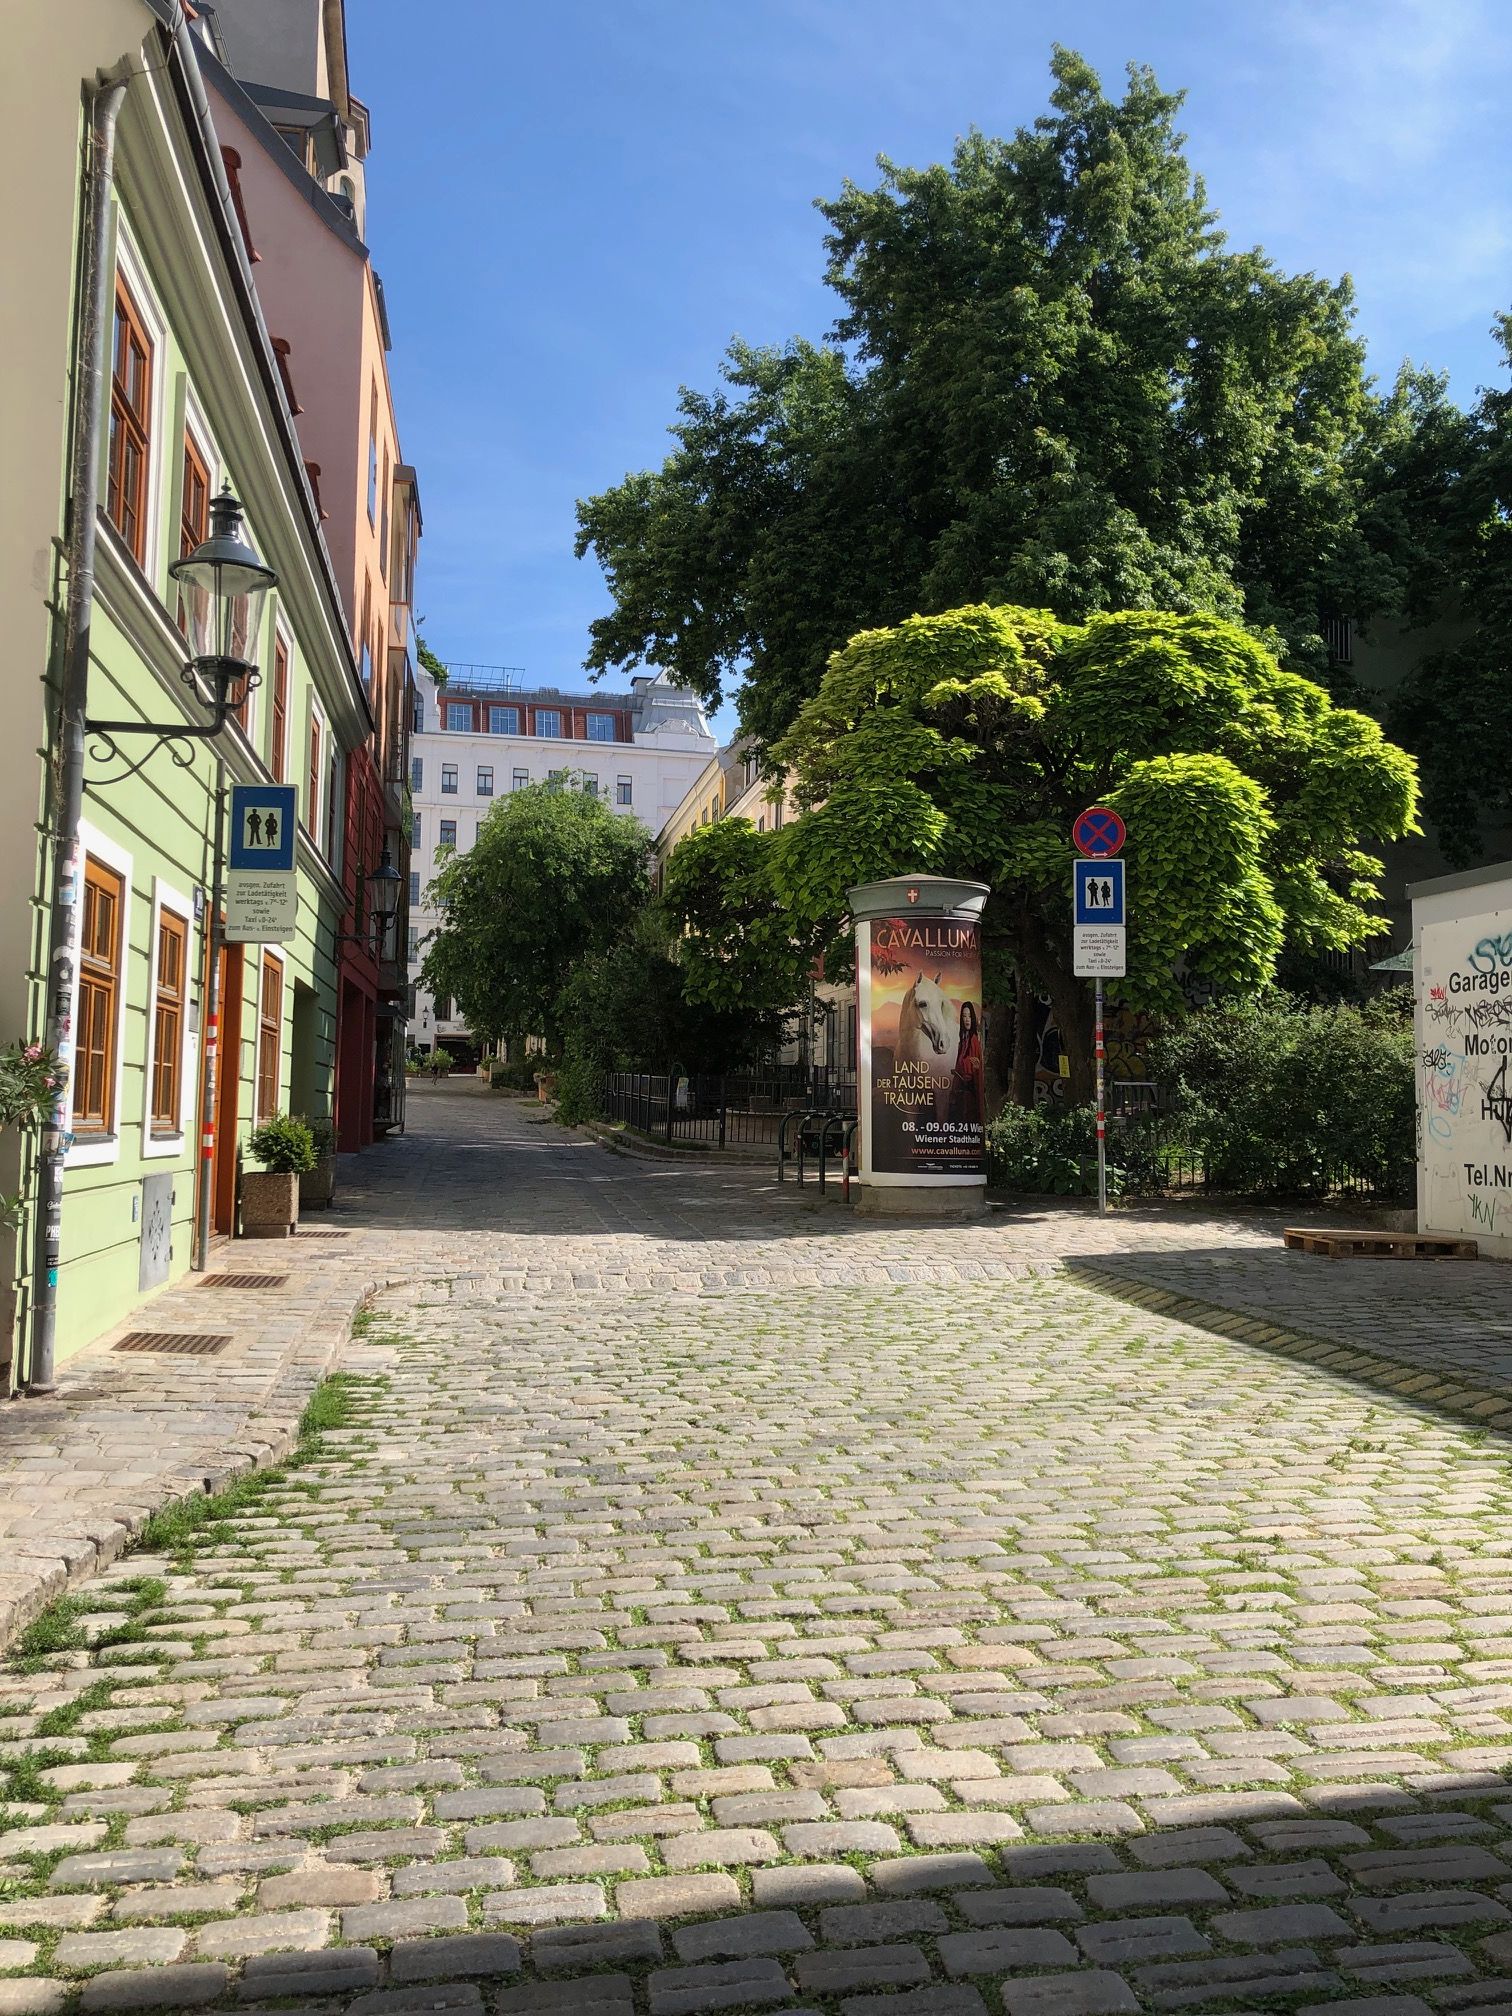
(966, 743)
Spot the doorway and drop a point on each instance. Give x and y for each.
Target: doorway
(227, 1089)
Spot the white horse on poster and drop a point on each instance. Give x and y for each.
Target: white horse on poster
(925, 1023)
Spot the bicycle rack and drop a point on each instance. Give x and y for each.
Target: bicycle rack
(784, 1153)
(830, 1120)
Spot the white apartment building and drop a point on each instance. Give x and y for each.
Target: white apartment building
(485, 733)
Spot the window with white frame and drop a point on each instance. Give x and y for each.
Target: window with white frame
(102, 949)
(459, 716)
(269, 1034)
(548, 721)
(168, 1043)
(601, 728)
(503, 720)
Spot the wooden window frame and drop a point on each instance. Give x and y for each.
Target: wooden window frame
(269, 1034)
(169, 1028)
(278, 746)
(372, 496)
(101, 977)
(314, 773)
(128, 488)
(193, 527)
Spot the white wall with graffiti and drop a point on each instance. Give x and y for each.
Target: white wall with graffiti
(1462, 929)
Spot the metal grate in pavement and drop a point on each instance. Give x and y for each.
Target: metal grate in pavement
(174, 1343)
(244, 1281)
(312, 1233)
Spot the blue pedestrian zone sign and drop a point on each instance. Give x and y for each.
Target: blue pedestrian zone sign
(1099, 887)
(263, 821)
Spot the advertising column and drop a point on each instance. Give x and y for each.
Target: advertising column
(919, 1084)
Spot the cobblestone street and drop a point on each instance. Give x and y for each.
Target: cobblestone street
(710, 1602)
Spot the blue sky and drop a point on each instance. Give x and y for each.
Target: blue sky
(575, 206)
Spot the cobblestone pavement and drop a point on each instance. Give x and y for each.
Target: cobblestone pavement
(754, 1611)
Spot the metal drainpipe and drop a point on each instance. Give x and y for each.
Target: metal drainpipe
(84, 485)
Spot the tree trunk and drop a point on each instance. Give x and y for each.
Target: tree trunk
(1071, 1003)
(999, 1036)
(1025, 1048)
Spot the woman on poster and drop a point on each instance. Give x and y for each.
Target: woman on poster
(966, 1077)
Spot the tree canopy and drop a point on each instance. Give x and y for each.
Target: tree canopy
(1051, 384)
(965, 744)
(1455, 484)
(555, 877)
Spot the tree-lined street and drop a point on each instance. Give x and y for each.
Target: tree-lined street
(709, 1612)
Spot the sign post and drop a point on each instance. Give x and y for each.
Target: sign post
(262, 891)
(1099, 931)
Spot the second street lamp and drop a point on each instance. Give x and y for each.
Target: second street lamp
(224, 586)
(376, 905)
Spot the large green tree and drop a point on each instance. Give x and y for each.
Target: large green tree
(966, 743)
(741, 951)
(1051, 383)
(554, 878)
(1453, 486)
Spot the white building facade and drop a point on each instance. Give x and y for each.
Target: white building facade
(485, 733)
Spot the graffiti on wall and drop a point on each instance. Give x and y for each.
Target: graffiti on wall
(1464, 1042)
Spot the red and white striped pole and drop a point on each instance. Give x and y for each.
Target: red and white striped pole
(1102, 1113)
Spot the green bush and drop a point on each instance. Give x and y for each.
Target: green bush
(517, 1077)
(579, 1090)
(283, 1145)
(1278, 1097)
(1048, 1151)
(322, 1132)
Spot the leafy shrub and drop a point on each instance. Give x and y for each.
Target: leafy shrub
(283, 1145)
(517, 1077)
(322, 1132)
(1048, 1151)
(579, 1090)
(1280, 1097)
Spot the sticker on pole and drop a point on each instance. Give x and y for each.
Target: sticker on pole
(1099, 832)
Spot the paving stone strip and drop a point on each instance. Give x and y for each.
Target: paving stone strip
(960, 1640)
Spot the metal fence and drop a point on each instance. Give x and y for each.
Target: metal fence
(738, 1110)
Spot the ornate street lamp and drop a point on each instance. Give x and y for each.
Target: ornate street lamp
(382, 891)
(223, 586)
(377, 905)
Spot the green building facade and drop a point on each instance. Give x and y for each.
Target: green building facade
(195, 399)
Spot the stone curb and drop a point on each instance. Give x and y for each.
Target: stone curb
(1487, 1406)
(266, 1436)
(700, 1155)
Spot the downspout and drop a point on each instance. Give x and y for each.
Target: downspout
(91, 354)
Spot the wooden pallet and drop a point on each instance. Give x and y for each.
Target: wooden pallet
(1338, 1245)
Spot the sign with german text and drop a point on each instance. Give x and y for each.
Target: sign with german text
(262, 891)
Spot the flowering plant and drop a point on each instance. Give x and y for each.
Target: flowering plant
(30, 1076)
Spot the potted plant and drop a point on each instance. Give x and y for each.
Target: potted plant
(318, 1186)
(270, 1195)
